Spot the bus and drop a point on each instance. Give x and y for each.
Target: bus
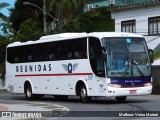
(97, 64)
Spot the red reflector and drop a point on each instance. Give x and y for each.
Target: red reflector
(132, 91)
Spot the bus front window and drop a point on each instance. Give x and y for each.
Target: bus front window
(127, 57)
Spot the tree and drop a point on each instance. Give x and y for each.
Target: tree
(3, 43)
(2, 16)
(65, 10)
(98, 20)
(28, 30)
(22, 12)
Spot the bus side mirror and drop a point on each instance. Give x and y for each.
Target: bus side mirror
(104, 53)
(151, 55)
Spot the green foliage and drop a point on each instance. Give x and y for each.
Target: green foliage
(2, 16)
(7, 28)
(4, 41)
(94, 21)
(156, 55)
(22, 12)
(28, 30)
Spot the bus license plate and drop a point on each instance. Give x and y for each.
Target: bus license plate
(132, 91)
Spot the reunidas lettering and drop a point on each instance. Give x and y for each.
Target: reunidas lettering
(33, 68)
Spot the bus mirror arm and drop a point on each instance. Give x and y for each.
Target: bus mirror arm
(151, 55)
(104, 53)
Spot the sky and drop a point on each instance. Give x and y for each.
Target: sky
(5, 10)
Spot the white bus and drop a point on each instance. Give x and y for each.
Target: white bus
(84, 64)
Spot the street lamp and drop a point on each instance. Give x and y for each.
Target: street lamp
(44, 14)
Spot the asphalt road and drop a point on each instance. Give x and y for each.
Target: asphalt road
(98, 108)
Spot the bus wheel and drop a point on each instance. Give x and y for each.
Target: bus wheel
(83, 95)
(28, 92)
(121, 99)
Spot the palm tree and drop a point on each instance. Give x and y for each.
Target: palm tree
(2, 16)
(65, 10)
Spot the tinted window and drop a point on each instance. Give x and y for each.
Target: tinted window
(95, 55)
(58, 50)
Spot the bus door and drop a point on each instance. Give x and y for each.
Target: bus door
(97, 65)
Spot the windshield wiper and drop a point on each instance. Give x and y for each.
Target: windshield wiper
(133, 63)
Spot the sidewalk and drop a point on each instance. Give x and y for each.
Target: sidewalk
(3, 108)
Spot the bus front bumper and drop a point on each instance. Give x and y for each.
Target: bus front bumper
(129, 91)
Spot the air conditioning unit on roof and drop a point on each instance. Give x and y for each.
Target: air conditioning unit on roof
(111, 2)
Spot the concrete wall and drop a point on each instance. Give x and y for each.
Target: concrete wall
(2, 83)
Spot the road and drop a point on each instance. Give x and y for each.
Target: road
(98, 107)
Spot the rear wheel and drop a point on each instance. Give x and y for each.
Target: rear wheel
(121, 99)
(83, 95)
(28, 92)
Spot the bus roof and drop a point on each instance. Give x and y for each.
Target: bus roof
(65, 36)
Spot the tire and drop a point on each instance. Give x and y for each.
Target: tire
(83, 95)
(121, 99)
(28, 92)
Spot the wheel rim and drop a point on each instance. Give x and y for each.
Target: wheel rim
(29, 92)
(83, 94)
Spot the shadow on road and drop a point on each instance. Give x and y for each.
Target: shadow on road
(75, 99)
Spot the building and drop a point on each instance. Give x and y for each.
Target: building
(141, 18)
(93, 4)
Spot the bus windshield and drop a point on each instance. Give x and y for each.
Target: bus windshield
(126, 57)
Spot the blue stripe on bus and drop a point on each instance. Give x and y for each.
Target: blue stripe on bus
(131, 82)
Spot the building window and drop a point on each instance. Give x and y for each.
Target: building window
(128, 26)
(154, 25)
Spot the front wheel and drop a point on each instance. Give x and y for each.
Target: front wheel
(83, 95)
(121, 99)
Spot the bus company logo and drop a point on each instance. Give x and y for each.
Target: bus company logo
(70, 68)
(101, 85)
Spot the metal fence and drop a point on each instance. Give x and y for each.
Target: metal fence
(156, 75)
(156, 79)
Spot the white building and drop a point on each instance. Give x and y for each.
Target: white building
(142, 18)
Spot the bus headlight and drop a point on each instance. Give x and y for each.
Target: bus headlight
(147, 84)
(114, 85)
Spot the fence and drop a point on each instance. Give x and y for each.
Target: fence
(156, 79)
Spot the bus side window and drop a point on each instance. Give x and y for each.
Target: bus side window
(81, 48)
(17, 53)
(30, 58)
(52, 56)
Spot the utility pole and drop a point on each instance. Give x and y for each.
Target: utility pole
(53, 24)
(44, 16)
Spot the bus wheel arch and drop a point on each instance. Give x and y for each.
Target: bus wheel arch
(81, 90)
